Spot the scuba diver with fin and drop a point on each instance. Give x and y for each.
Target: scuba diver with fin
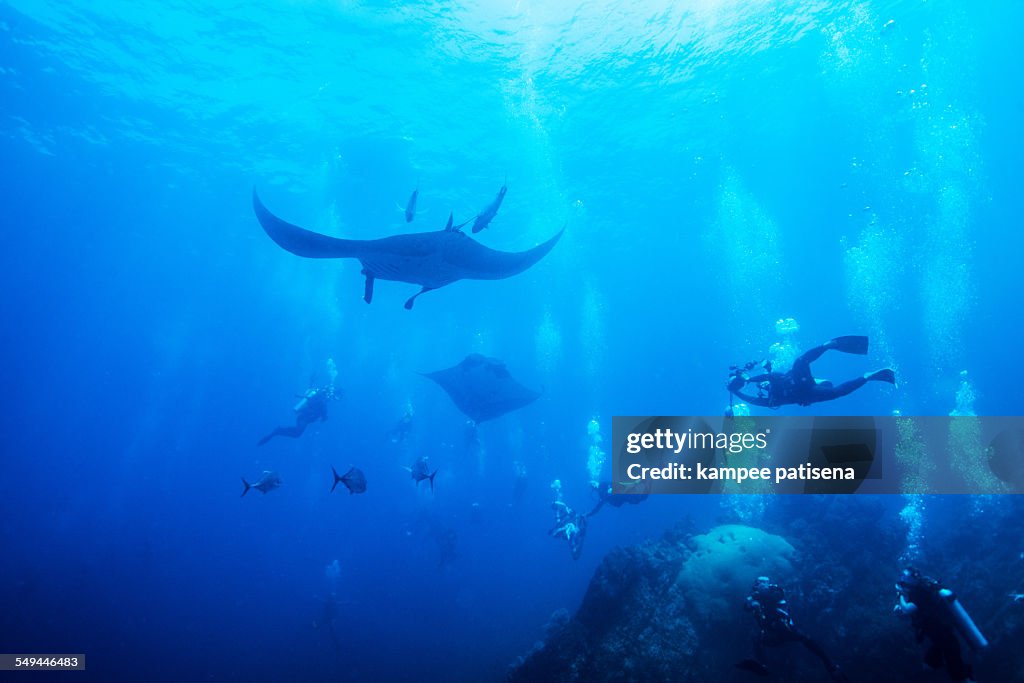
(937, 615)
(312, 407)
(767, 601)
(569, 524)
(798, 385)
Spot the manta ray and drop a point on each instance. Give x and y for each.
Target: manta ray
(429, 259)
(482, 388)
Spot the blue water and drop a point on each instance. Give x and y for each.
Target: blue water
(720, 165)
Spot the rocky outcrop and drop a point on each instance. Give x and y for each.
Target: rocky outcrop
(672, 609)
(631, 626)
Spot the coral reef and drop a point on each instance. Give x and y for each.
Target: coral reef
(672, 609)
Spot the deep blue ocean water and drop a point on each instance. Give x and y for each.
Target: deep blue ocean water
(720, 165)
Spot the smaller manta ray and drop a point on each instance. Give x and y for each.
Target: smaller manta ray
(419, 472)
(482, 388)
(354, 480)
(268, 481)
(491, 210)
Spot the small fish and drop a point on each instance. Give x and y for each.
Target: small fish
(419, 472)
(268, 481)
(354, 480)
(488, 214)
(410, 206)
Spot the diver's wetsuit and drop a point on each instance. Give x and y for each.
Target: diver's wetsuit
(312, 408)
(798, 384)
(604, 494)
(775, 627)
(920, 597)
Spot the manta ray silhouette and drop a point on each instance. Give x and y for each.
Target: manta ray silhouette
(482, 388)
(429, 259)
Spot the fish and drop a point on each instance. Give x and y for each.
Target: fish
(490, 211)
(429, 259)
(354, 480)
(410, 206)
(482, 388)
(419, 472)
(268, 481)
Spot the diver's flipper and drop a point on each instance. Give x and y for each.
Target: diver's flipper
(753, 666)
(886, 375)
(408, 304)
(857, 345)
(368, 288)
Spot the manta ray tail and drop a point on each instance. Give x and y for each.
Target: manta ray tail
(300, 241)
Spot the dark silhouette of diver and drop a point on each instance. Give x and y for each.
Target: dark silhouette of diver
(401, 431)
(929, 606)
(521, 482)
(767, 601)
(312, 407)
(605, 496)
(798, 385)
(328, 619)
(569, 525)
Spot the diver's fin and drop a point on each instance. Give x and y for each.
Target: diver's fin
(431, 477)
(409, 303)
(368, 287)
(753, 666)
(885, 375)
(247, 486)
(854, 344)
(336, 478)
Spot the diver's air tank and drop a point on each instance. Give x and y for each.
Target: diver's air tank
(304, 400)
(962, 621)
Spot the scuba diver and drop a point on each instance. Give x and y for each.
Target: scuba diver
(571, 525)
(937, 615)
(799, 385)
(312, 407)
(400, 432)
(605, 496)
(767, 601)
(328, 619)
(521, 482)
